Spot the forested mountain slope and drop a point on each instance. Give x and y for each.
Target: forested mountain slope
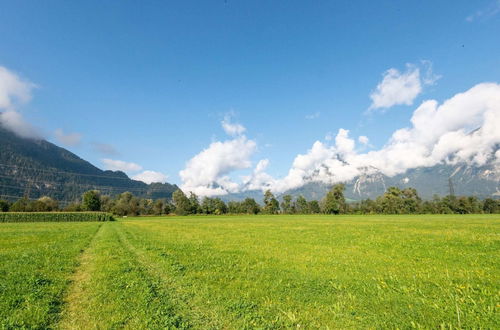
(35, 168)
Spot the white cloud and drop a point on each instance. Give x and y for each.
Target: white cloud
(150, 177)
(120, 165)
(363, 140)
(14, 122)
(313, 115)
(70, 139)
(491, 10)
(259, 179)
(343, 142)
(14, 92)
(464, 128)
(146, 176)
(232, 129)
(207, 172)
(398, 88)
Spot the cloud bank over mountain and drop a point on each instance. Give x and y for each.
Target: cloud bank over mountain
(463, 128)
(15, 92)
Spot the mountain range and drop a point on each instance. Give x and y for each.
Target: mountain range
(35, 167)
(443, 179)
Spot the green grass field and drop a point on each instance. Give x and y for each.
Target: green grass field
(426, 271)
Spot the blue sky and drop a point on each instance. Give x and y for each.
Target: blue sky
(154, 79)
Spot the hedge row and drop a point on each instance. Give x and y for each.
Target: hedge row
(54, 216)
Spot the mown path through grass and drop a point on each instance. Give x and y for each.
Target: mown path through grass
(113, 290)
(36, 262)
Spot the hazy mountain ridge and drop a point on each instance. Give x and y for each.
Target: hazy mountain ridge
(480, 181)
(35, 168)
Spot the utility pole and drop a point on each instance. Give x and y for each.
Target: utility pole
(450, 186)
(27, 190)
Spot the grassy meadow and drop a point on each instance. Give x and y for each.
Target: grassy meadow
(419, 271)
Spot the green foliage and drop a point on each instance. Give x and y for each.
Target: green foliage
(249, 206)
(181, 202)
(287, 206)
(91, 200)
(213, 206)
(45, 204)
(75, 207)
(4, 206)
(54, 216)
(126, 204)
(159, 207)
(334, 201)
(271, 204)
(397, 201)
(491, 206)
(21, 205)
(301, 206)
(393, 201)
(194, 204)
(313, 207)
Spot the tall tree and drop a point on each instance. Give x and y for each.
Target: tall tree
(181, 202)
(271, 204)
(412, 203)
(334, 201)
(21, 205)
(249, 206)
(158, 207)
(301, 206)
(491, 206)
(91, 200)
(194, 203)
(220, 206)
(126, 204)
(391, 202)
(45, 204)
(313, 207)
(208, 205)
(286, 204)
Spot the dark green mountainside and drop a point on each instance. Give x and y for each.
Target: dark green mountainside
(35, 168)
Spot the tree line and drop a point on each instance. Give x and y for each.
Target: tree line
(393, 201)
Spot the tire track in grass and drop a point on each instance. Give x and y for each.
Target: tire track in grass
(46, 257)
(162, 308)
(112, 290)
(77, 275)
(81, 275)
(176, 304)
(233, 312)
